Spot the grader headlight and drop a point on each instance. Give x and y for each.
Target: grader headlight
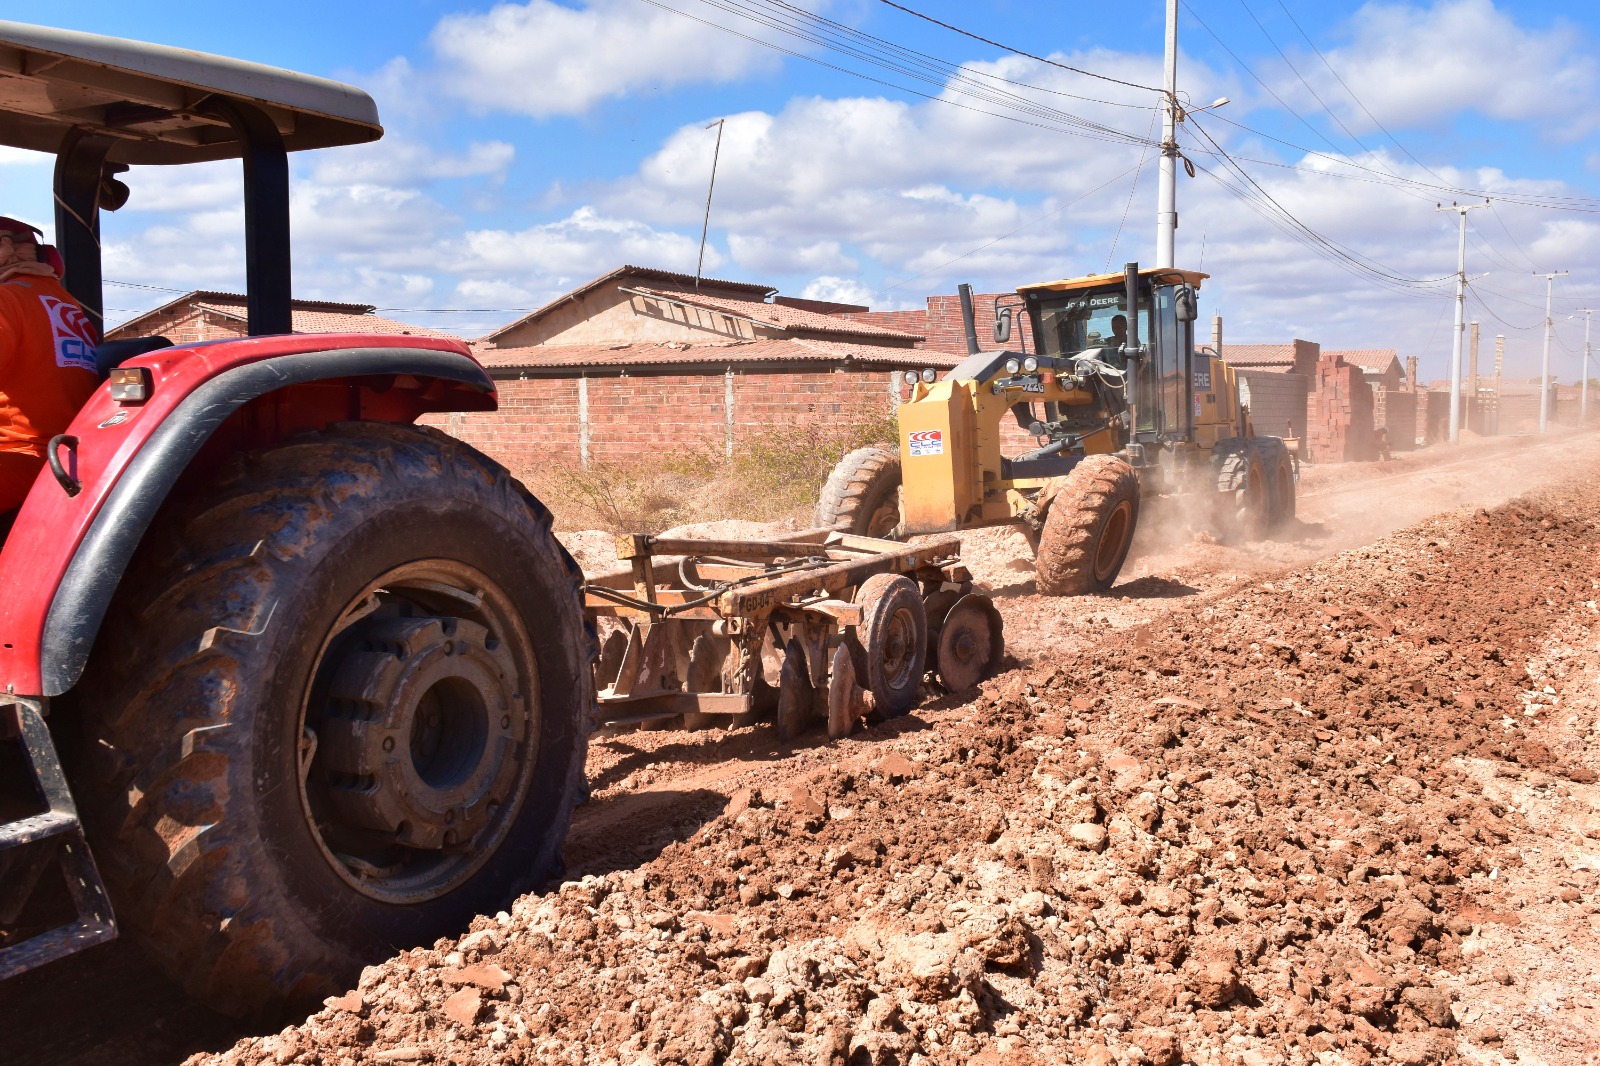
(929, 376)
(1030, 364)
(1013, 365)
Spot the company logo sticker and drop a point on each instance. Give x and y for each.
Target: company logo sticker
(115, 420)
(926, 442)
(71, 333)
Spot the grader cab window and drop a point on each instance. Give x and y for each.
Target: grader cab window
(1083, 321)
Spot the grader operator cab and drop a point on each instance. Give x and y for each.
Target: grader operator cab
(1121, 407)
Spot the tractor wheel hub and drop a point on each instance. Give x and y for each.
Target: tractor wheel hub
(423, 720)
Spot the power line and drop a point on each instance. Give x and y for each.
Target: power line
(1352, 93)
(1318, 242)
(1127, 207)
(1020, 52)
(949, 79)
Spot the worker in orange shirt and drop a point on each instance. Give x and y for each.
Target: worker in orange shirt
(47, 367)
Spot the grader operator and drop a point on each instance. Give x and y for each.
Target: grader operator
(1114, 420)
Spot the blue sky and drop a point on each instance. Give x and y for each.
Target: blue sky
(532, 146)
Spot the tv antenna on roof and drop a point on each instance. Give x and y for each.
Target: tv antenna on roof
(706, 225)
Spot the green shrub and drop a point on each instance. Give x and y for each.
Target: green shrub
(776, 474)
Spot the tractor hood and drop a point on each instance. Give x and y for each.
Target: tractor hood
(150, 98)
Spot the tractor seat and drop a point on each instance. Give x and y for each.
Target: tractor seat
(112, 354)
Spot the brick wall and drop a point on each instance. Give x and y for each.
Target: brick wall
(633, 417)
(1396, 410)
(1277, 401)
(1339, 425)
(941, 323)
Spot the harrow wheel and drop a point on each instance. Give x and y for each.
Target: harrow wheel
(971, 643)
(891, 643)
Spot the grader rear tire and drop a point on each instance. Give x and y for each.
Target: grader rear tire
(862, 495)
(340, 707)
(1280, 471)
(1089, 528)
(1247, 493)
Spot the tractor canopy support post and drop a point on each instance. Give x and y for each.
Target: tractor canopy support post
(80, 165)
(266, 215)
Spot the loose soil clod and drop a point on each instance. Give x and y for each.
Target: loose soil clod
(1277, 825)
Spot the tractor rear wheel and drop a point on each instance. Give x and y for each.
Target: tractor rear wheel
(341, 707)
(1088, 528)
(862, 495)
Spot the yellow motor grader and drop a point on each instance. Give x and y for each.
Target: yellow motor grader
(1115, 419)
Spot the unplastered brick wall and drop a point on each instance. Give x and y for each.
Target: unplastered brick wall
(1396, 411)
(1339, 414)
(630, 418)
(1277, 402)
(943, 329)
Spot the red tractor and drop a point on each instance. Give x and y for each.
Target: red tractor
(319, 676)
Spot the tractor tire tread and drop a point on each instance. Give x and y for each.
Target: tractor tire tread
(178, 871)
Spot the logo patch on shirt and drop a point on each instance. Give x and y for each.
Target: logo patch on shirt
(70, 334)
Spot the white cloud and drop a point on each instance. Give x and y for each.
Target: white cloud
(1414, 65)
(763, 255)
(542, 58)
(405, 160)
(837, 290)
(572, 250)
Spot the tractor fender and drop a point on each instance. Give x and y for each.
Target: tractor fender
(72, 543)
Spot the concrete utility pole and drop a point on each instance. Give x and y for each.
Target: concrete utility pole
(1583, 392)
(1461, 315)
(1172, 114)
(1167, 208)
(1544, 368)
(1472, 381)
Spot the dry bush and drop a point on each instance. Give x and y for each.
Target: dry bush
(775, 474)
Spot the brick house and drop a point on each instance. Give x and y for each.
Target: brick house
(213, 316)
(640, 361)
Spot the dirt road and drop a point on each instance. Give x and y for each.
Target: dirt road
(1326, 798)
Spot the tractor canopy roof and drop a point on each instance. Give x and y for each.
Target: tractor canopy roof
(1095, 281)
(151, 99)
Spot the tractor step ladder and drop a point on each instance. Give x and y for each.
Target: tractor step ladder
(27, 846)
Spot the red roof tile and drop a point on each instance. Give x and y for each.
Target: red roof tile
(1368, 358)
(779, 316)
(1258, 354)
(337, 322)
(799, 351)
(650, 273)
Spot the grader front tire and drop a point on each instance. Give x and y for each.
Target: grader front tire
(1088, 528)
(340, 707)
(862, 495)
